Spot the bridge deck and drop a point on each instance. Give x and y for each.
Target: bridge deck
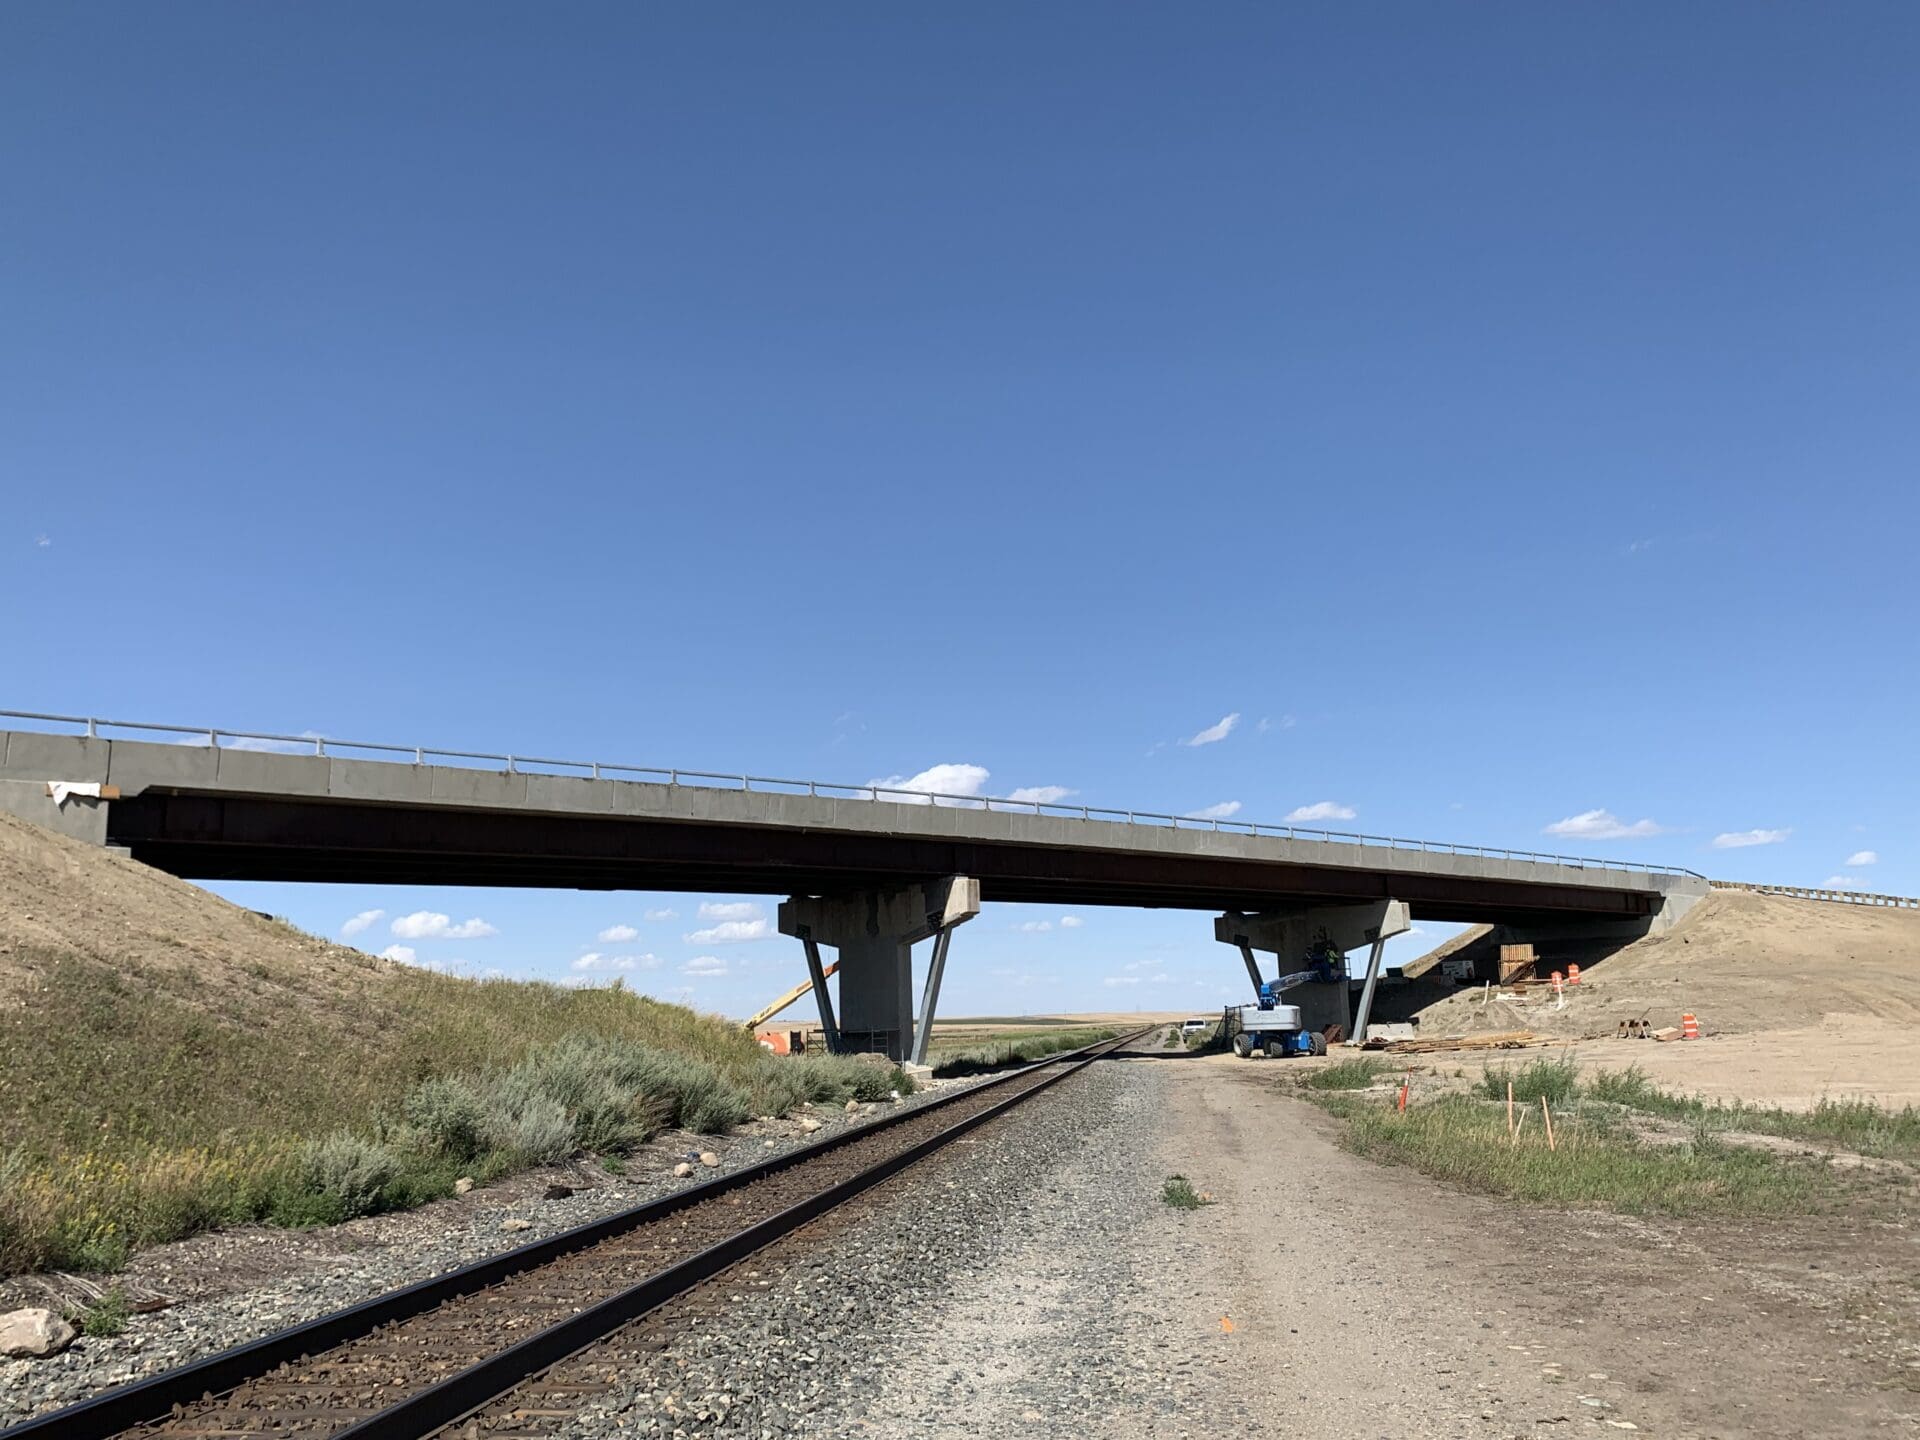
(215, 812)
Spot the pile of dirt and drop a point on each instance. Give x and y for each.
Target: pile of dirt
(1740, 962)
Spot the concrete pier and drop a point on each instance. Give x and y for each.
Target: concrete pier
(1291, 935)
(875, 931)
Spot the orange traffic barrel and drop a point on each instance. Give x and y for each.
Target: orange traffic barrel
(1689, 1028)
(1573, 973)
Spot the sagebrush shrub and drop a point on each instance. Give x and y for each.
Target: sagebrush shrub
(349, 1170)
(448, 1115)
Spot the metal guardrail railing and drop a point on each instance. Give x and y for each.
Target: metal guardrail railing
(1814, 892)
(92, 726)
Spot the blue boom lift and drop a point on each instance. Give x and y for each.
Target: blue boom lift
(1273, 1029)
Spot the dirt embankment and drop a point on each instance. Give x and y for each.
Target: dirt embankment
(62, 897)
(1742, 963)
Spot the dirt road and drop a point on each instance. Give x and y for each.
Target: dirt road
(1326, 1292)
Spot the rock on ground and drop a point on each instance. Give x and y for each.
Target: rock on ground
(34, 1334)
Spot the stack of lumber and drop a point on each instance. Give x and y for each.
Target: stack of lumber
(1500, 1040)
(1516, 963)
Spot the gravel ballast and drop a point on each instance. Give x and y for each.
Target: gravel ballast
(832, 1331)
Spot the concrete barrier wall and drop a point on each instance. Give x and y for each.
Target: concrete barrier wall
(1837, 897)
(29, 761)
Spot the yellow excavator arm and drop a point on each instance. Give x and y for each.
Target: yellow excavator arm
(760, 1017)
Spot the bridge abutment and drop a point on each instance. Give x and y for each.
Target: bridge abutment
(875, 931)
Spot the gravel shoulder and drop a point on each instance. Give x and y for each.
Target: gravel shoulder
(1368, 1301)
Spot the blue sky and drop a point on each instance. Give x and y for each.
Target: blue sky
(1508, 412)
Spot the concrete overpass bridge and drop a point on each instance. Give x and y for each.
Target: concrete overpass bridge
(868, 870)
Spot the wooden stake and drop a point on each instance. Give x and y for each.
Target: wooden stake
(1546, 1117)
(1509, 1112)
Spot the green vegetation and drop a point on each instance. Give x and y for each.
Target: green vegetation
(1856, 1125)
(144, 1105)
(1207, 1039)
(1464, 1140)
(1557, 1080)
(1355, 1074)
(1178, 1192)
(1602, 1157)
(1015, 1049)
(107, 1316)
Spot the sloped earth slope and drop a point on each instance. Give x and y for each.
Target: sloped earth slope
(137, 1007)
(1740, 962)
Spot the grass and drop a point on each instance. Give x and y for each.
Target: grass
(144, 1105)
(1601, 1159)
(107, 1316)
(1464, 1140)
(1856, 1125)
(1206, 1039)
(1018, 1049)
(1556, 1080)
(1178, 1192)
(1356, 1074)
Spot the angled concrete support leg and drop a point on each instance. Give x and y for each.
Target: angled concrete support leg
(1253, 967)
(1366, 993)
(1293, 935)
(828, 1027)
(875, 931)
(936, 967)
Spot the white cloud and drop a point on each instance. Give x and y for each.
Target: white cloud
(42, 541)
(594, 960)
(403, 953)
(1042, 794)
(1139, 964)
(1215, 812)
(1035, 927)
(663, 914)
(365, 920)
(1840, 882)
(1741, 839)
(934, 780)
(737, 910)
(617, 935)
(432, 925)
(705, 965)
(1602, 825)
(731, 932)
(1863, 857)
(271, 747)
(1215, 733)
(1121, 980)
(1267, 722)
(1321, 810)
(1071, 922)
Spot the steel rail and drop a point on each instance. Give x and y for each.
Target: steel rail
(316, 745)
(151, 1400)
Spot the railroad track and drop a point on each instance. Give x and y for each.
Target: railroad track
(409, 1363)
